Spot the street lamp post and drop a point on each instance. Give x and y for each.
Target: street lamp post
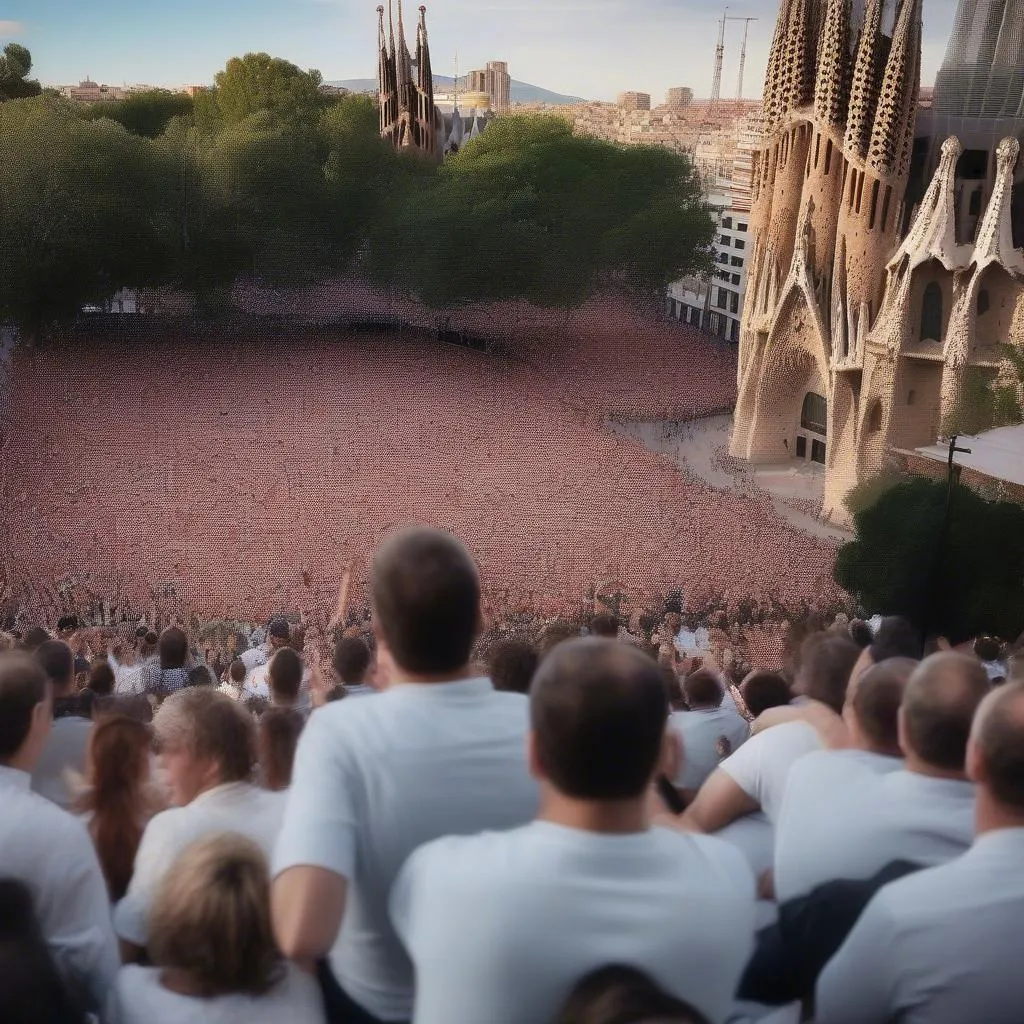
(940, 547)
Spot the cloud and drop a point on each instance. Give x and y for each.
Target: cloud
(11, 28)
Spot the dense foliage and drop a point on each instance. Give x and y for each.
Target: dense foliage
(267, 177)
(15, 67)
(968, 583)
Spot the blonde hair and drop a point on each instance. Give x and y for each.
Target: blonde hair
(209, 724)
(211, 918)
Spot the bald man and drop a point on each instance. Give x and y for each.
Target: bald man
(943, 946)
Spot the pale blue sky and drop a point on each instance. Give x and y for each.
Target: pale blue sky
(593, 48)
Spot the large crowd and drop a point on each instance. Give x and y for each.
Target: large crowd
(586, 827)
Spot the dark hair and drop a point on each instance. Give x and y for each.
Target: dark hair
(351, 659)
(1000, 739)
(553, 634)
(237, 670)
(860, 633)
(876, 698)
(939, 704)
(57, 662)
(23, 686)
(279, 732)
(896, 638)
(624, 995)
(826, 661)
(201, 676)
(173, 646)
(337, 692)
(703, 687)
(32, 990)
(987, 648)
(67, 623)
(598, 711)
(101, 679)
(35, 637)
(605, 625)
(426, 600)
(512, 665)
(117, 765)
(762, 690)
(284, 675)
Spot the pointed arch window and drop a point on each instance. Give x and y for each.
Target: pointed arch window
(814, 415)
(983, 302)
(875, 417)
(931, 312)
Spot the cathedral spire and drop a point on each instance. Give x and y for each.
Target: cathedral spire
(832, 88)
(789, 81)
(867, 72)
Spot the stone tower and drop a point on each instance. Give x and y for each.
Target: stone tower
(405, 87)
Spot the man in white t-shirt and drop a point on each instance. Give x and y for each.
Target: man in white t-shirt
(208, 751)
(711, 730)
(439, 752)
(278, 636)
(754, 778)
(943, 945)
(44, 847)
(501, 926)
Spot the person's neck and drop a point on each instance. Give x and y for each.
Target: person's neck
(915, 764)
(405, 676)
(180, 982)
(612, 817)
(992, 816)
(21, 761)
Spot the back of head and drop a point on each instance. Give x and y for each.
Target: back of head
(998, 739)
(284, 675)
(426, 601)
(23, 686)
(279, 730)
(31, 988)
(703, 688)
(201, 676)
(825, 666)
(605, 625)
(209, 725)
(101, 679)
(512, 665)
(762, 690)
(987, 648)
(35, 638)
(553, 634)
(210, 919)
(624, 995)
(237, 671)
(938, 708)
(875, 698)
(860, 633)
(173, 645)
(58, 663)
(598, 711)
(117, 771)
(351, 660)
(896, 638)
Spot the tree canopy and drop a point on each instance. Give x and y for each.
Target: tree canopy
(535, 211)
(974, 585)
(15, 67)
(145, 113)
(259, 82)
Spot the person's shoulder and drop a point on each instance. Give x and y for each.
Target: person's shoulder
(718, 856)
(134, 980)
(42, 817)
(458, 857)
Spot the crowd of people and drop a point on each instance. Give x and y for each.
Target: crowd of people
(587, 828)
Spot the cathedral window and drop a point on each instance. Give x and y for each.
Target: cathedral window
(983, 302)
(875, 417)
(814, 415)
(931, 312)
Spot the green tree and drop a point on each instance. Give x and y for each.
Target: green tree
(531, 210)
(145, 113)
(258, 82)
(79, 217)
(15, 67)
(974, 585)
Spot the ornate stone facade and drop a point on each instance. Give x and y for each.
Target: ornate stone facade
(883, 270)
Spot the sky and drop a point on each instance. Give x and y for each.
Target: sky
(590, 48)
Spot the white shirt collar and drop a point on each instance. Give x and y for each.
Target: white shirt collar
(15, 778)
(225, 793)
(997, 844)
(459, 687)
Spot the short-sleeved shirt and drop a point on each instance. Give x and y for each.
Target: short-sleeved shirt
(501, 926)
(373, 780)
(761, 766)
(708, 736)
(50, 852)
(233, 807)
(847, 814)
(941, 946)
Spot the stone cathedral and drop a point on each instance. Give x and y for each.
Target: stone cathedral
(885, 270)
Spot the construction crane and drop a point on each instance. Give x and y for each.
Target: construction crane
(743, 55)
(716, 87)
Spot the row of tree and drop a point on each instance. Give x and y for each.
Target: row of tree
(266, 176)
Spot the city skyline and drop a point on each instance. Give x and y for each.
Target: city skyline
(590, 48)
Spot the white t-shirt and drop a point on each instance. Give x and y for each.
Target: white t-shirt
(232, 807)
(63, 752)
(138, 998)
(501, 926)
(761, 766)
(847, 814)
(373, 780)
(702, 733)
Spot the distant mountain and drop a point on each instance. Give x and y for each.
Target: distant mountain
(522, 92)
